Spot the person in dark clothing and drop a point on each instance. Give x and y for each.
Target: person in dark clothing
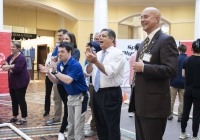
(177, 84)
(18, 79)
(190, 70)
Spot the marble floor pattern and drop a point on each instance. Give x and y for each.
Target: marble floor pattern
(35, 127)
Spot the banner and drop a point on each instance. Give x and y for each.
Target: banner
(127, 47)
(189, 51)
(5, 38)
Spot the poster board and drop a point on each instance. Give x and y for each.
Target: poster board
(5, 39)
(127, 47)
(29, 63)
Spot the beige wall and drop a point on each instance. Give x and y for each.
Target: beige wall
(78, 18)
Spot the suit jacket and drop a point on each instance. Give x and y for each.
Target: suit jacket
(152, 94)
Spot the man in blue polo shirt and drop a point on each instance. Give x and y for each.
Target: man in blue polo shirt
(69, 73)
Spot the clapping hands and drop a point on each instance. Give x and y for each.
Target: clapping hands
(90, 55)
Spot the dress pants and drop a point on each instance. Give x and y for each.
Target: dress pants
(48, 89)
(92, 123)
(107, 111)
(131, 107)
(150, 128)
(63, 94)
(191, 96)
(57, 104)
(18, 100)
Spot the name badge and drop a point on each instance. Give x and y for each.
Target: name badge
(147, 57)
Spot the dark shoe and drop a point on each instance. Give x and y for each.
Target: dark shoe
(170, 117)
(13, 120)
(21, 122)
(179, 119)
(45, 114)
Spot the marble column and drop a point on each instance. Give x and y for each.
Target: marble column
(197, 20)
(100, 15)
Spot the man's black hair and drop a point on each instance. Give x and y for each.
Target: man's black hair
(111, 33)
(196, 46)
(63, 30)
(182, 48)
(66, 45)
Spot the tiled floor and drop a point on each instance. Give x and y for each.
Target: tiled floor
(35, 128)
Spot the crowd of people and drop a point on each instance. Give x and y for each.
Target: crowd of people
(158, 65)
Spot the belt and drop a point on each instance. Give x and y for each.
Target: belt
(108, 88)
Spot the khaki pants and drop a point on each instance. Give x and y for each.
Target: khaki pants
(173, 92)
(57, 104)
(76, 116)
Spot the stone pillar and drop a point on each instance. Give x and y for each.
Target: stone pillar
(138, 33)
(100, 15)
(1, 15)
(197, 20)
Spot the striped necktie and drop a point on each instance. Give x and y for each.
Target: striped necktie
(144, 48)
(97, 77)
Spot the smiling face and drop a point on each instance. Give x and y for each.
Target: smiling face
(14, 49)
(150, 19)
(63, 54)
(66, 38)
(105, 40)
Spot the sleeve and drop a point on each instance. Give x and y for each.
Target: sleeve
(131, 62)
(76, 54)
(48, 58)
(184, 63)
(115, 65)
(19, 65)
(55, 52)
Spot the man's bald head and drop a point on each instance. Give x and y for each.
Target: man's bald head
(150, 19)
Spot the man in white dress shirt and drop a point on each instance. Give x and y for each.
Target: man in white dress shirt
(107, 67)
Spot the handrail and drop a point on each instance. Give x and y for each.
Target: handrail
(19, 132)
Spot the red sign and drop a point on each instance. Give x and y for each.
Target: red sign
(5, 39)
(189, 47)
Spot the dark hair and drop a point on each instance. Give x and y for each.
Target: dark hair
(137, 46)
(73, 39)
(196, 46)
(182, 48)
(111, 33)
(17, 44)
(63, 30)
(65, 45)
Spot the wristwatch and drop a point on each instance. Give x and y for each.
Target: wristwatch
(55, 72)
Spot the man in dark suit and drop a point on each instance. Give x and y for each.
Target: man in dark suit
(157, 62)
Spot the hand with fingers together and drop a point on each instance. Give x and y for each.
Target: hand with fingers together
(90, 56)
(43, 69)
(138, 66)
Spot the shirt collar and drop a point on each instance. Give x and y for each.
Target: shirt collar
(151, 35)
(109, 49)
(69, 62)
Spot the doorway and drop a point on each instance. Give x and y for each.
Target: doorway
(42, 51)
